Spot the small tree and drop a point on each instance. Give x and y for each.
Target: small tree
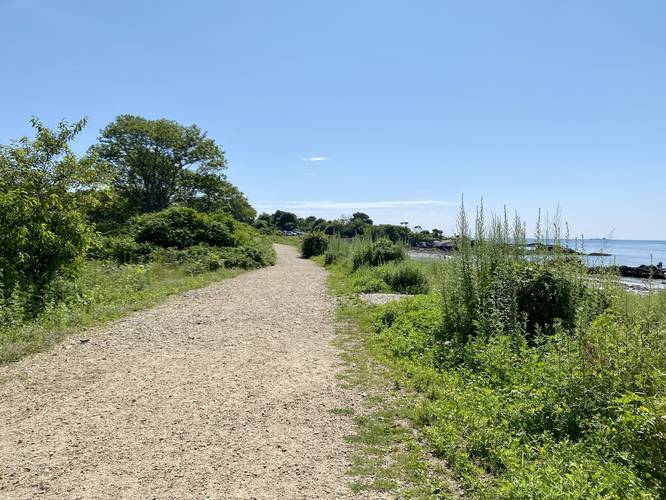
(44, 192)
(285, 221)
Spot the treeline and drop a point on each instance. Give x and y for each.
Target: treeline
(147, 192)
(348, 227)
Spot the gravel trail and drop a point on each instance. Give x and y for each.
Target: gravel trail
(222, 392)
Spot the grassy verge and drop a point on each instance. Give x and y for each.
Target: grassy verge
(294, 241)
(102, 291)
(515, 377)
(389, 455)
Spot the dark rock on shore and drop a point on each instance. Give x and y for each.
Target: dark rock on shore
(642, 271)
(443, 245)
(551, 248)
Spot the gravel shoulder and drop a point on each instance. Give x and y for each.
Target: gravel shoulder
(223, 392)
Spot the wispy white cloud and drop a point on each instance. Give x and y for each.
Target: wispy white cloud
(311, 159)
(366, 205)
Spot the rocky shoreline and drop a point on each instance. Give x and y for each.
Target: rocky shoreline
(641, 272)
(446, 248)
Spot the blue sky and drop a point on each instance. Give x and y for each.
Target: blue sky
(392, 108)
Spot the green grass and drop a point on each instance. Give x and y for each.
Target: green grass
(102, 291)
(387, 453)
(294, 241)
(517, 376)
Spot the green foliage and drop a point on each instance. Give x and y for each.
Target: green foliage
(396, 234)
(121, 249)
(43, 231)
(358, 224)
(181, 227)
(284, 221)
(533, 380)
(313, 244)
(406, 278)
(211, 193)
(245, 257)
(202, 258)
(153, 160)
(565, 418)
(376, 253)
(338, 250)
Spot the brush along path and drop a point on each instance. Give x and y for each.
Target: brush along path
(225, 391)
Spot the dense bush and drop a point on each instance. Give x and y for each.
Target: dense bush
(202, 258)
(406, 278)
(572, 418)
(181, 227)
(43, 230)
(313, 244)
(376, 253)
(252, 257)
(122, 249)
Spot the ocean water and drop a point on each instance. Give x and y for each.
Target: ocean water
(623, 252)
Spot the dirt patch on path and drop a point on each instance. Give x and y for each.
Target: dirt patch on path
(222, 392)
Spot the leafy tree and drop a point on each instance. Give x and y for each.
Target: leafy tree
(211, 193)
(285, 221)
(360, 217)
(392, 232)
(263, 223)
(437, 233)
(151, 158)
(44, 193)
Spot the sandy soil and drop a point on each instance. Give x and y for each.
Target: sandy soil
(223, 392)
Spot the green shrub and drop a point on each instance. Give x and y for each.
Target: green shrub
(314, 244)
(121, 249)
(406, 278)
(43, 228)
(377, 253)
(338, 250)
(368, 280)
(247, 257)
(180, 227)
(202, 258)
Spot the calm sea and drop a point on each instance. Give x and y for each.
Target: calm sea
(624, 252)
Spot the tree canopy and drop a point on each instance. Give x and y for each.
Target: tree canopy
(151, 159)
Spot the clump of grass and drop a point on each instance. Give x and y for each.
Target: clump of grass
(374, 253)
(338, 250)
(406, 278)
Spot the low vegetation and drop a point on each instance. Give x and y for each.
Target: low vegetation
(528, 379)
(375, 253)
(314, 244)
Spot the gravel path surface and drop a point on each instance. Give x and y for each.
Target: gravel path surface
(222, 392)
